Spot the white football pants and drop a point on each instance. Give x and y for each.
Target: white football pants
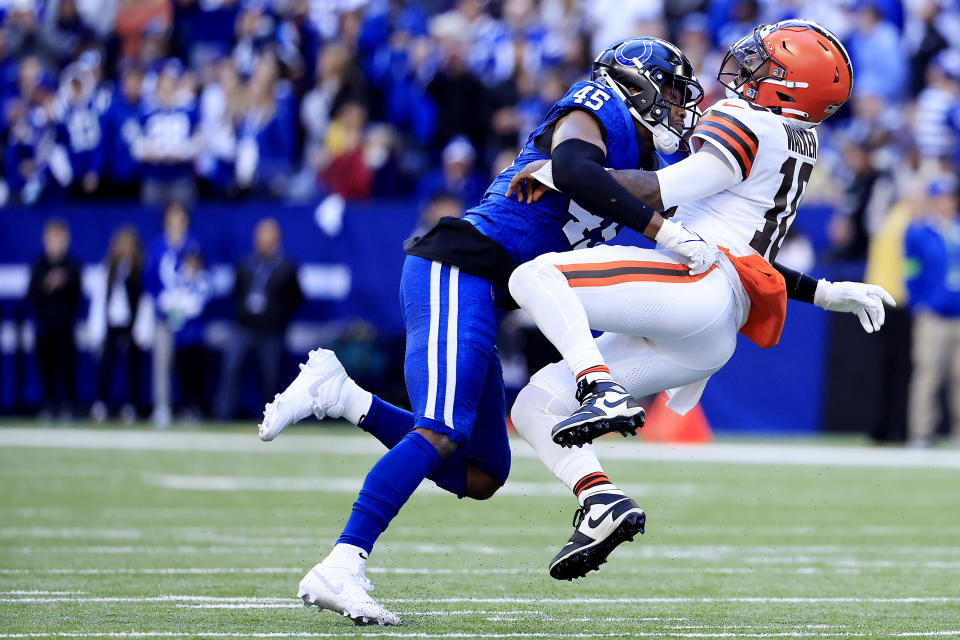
(665, 330)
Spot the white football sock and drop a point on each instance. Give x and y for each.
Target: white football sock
(542, 290)
(348, 556)
(606, 487)
(534, 415)
(356, 401)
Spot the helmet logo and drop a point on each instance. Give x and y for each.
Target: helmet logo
(638, 60)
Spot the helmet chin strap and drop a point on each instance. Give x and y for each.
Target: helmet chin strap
(665, 140)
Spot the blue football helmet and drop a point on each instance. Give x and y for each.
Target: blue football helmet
(657, 82)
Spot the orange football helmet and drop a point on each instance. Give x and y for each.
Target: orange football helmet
(795, 68)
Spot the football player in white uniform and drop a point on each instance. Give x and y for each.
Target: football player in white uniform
(672, 318)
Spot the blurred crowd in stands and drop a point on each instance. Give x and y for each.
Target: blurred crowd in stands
(171, 101)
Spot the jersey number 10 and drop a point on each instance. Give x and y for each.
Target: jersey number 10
(778, 217)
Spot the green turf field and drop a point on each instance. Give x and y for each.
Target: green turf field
(204, 534)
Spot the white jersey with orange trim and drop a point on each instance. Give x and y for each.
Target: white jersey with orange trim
(773, 158)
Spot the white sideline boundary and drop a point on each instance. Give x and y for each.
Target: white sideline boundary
(319, 442)
(175, 598)
(400, 634)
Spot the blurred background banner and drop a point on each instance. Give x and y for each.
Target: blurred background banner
(194, 193)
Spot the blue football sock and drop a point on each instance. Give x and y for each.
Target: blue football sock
(387, 487)
(386, 423)
(389, 424)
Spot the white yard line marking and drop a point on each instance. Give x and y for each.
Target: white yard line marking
(159, 571)
(133, 440)
(39, 593)
(319, 441)
(756, 554)
(227, 605)
(683, 600)
(459, 600)
(843, 567)
(352, 484)
(69, 532)
(401, 634)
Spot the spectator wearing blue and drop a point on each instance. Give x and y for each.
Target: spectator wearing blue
(31, 135)
(8, 74)
(487, 49)
(182, 305)
(63, 31)
(255, 27)
(168, 143)
(932, 248)
(266, 294)
(875, 51)
(121, 126)
(202, 29)
(77, 113)
(164, 261)
(266, 142)
(221, 105)
(936, 118)
(456, 177)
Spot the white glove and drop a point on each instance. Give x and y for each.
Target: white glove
(865, 300)
(698, 254)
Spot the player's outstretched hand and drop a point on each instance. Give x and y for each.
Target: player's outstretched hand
(865, 300)
(698, 254)
(524, 183)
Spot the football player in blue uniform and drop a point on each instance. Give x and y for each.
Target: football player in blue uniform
(642, 99)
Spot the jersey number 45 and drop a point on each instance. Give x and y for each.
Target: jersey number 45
(585, 229)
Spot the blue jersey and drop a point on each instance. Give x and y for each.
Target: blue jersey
(555, 223)
(168, 130)
(121, 130)
(80, 130)
(933, 258)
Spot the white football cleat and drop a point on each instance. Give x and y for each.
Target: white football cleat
(316, 390)
(340, 590)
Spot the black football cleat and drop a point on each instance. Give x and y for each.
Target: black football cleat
(606, 521)
(605, 407)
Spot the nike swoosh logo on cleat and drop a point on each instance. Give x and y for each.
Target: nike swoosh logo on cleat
(617, 403)
(335, 589)
(593, 523)
(312, 390)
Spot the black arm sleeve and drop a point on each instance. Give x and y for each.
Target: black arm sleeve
(799, 285)
(578, 172)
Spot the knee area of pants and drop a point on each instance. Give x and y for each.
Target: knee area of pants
(522, 409)
(531, 405)
(527, 274)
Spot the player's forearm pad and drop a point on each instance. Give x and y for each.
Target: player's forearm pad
(799, 285)
(578, 172)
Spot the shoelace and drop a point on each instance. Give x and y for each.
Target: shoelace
(364, 581)
(578, 516)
